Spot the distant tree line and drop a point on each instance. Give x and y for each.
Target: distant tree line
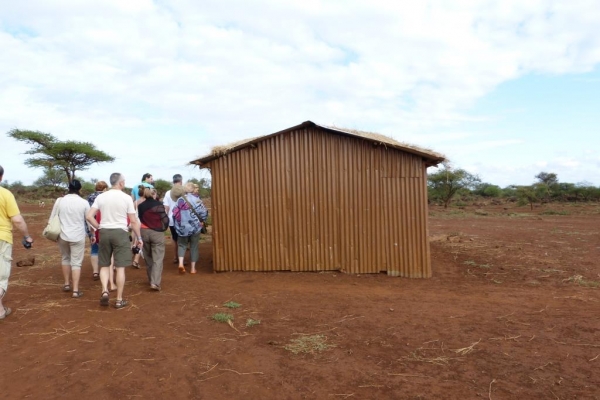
(449, 184)
(60, 160)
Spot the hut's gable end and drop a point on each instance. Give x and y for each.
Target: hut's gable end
(431, 158)
(307, 200)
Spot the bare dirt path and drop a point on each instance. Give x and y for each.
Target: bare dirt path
(513, 311)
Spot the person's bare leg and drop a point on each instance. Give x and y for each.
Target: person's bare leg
(120, 283)
(181, 267)
(76, 273)
(94, 260)
(104, 276)
(66, 270)
(182, 243)
(136, 261)
(112, 284)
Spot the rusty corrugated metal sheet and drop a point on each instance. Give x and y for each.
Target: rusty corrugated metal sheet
(309, 200)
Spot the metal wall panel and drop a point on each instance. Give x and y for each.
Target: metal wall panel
(308, 200)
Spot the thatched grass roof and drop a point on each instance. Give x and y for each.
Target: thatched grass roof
(433, 157)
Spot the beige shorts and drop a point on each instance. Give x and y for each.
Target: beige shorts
(72, 253)
(5, 263)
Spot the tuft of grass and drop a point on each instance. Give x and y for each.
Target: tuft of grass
(456, 212)
(222, 317)
(593, 284)
(232, 304)
(581, 281)
(308, 344)
(251, 322)
(554, 212)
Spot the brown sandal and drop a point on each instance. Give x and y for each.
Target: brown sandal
(104, 299)
(121, 303)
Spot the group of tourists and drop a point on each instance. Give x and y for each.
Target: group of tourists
(121, 228)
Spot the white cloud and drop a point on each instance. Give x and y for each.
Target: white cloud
(172, 78)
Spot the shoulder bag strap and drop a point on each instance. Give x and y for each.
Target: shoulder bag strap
(192, 208)
(57, 208)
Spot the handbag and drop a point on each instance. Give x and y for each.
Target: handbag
(203, 228)
(52, 230)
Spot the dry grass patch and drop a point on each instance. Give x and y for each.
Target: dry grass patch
(581, 281)
(309, 344)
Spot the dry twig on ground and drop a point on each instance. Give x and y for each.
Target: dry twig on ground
(490, 391)
(466, 350)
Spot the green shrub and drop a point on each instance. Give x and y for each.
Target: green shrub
(222, 317)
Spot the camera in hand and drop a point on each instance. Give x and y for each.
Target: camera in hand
(135, 250)
(26, 244)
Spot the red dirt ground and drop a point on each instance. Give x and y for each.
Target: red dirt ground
(512, 312)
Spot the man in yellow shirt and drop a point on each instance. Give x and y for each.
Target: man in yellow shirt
(9, 216)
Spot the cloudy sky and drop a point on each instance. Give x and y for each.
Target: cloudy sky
(505, 89)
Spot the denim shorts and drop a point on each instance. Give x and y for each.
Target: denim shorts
(95, 248)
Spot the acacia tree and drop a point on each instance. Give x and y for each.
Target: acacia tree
(531, 194)
(547, 178)
(444, 184)
(52, 177)
(68, 156)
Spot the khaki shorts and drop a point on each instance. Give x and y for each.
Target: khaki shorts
(114, 242)
(5, 263)
(72, 253)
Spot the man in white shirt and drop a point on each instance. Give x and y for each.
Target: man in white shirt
(169, 205)
(72, 211)
(116, 208)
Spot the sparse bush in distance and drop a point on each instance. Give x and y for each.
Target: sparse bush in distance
(554, 212)
(162, 186)
(445, 184)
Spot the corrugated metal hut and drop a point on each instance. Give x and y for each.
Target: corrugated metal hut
(316, 198)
